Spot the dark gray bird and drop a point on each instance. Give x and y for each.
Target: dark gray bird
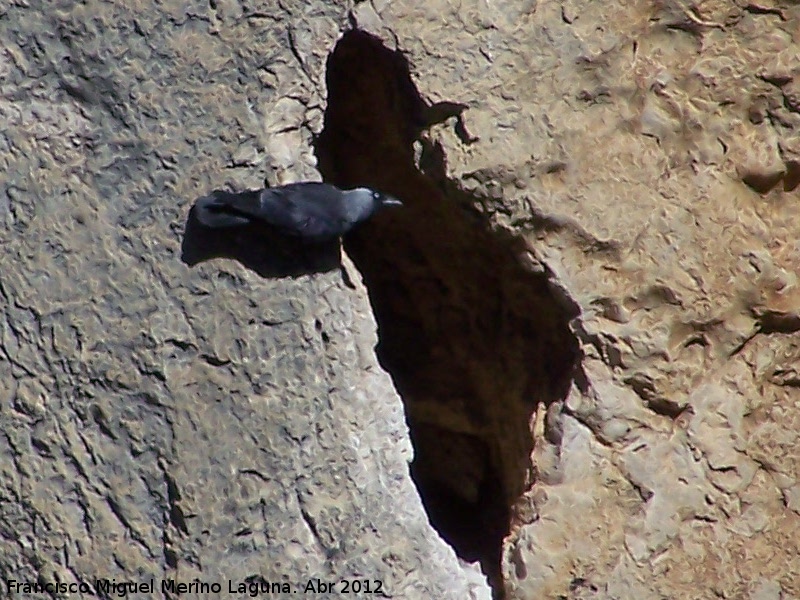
(312, 212)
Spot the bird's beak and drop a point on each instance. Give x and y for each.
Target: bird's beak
(391, 201)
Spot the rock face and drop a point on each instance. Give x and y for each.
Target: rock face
(184, 424)
(589, 305)
(648, 153)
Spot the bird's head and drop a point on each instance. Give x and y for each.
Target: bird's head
(365, 202)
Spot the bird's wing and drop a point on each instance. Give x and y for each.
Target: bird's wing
(309, 210)
(224, 209)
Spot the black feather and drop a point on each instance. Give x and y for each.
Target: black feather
(311, 211)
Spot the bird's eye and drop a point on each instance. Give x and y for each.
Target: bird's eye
(376, 195)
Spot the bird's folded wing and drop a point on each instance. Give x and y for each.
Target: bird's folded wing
(312, 211)
(224, 209)
(309, 212)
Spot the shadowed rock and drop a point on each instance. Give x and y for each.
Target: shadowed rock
(264, 252)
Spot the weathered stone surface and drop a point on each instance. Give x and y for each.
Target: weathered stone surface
(621, 188)
(647, 152)
(174, 423)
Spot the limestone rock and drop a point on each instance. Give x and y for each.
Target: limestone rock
(589, 308)
(647, 153)
(172, 423)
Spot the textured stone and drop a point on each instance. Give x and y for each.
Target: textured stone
(640, 149)
(620, 189)
(168, 422)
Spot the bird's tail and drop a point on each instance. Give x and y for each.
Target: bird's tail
(225, 209)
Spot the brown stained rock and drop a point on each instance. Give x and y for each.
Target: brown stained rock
(762, 181)
(161, 421)
(474, 338)
(792, 178)
(669, 121)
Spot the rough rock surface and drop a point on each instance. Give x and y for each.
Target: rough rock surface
(164, 422)
(648, 152)
(590, 307)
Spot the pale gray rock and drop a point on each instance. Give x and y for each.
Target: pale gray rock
(166, 422)
(628, 170)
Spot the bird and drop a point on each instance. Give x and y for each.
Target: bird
(313, 212)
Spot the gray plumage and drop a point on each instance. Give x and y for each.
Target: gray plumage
(313, 212)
